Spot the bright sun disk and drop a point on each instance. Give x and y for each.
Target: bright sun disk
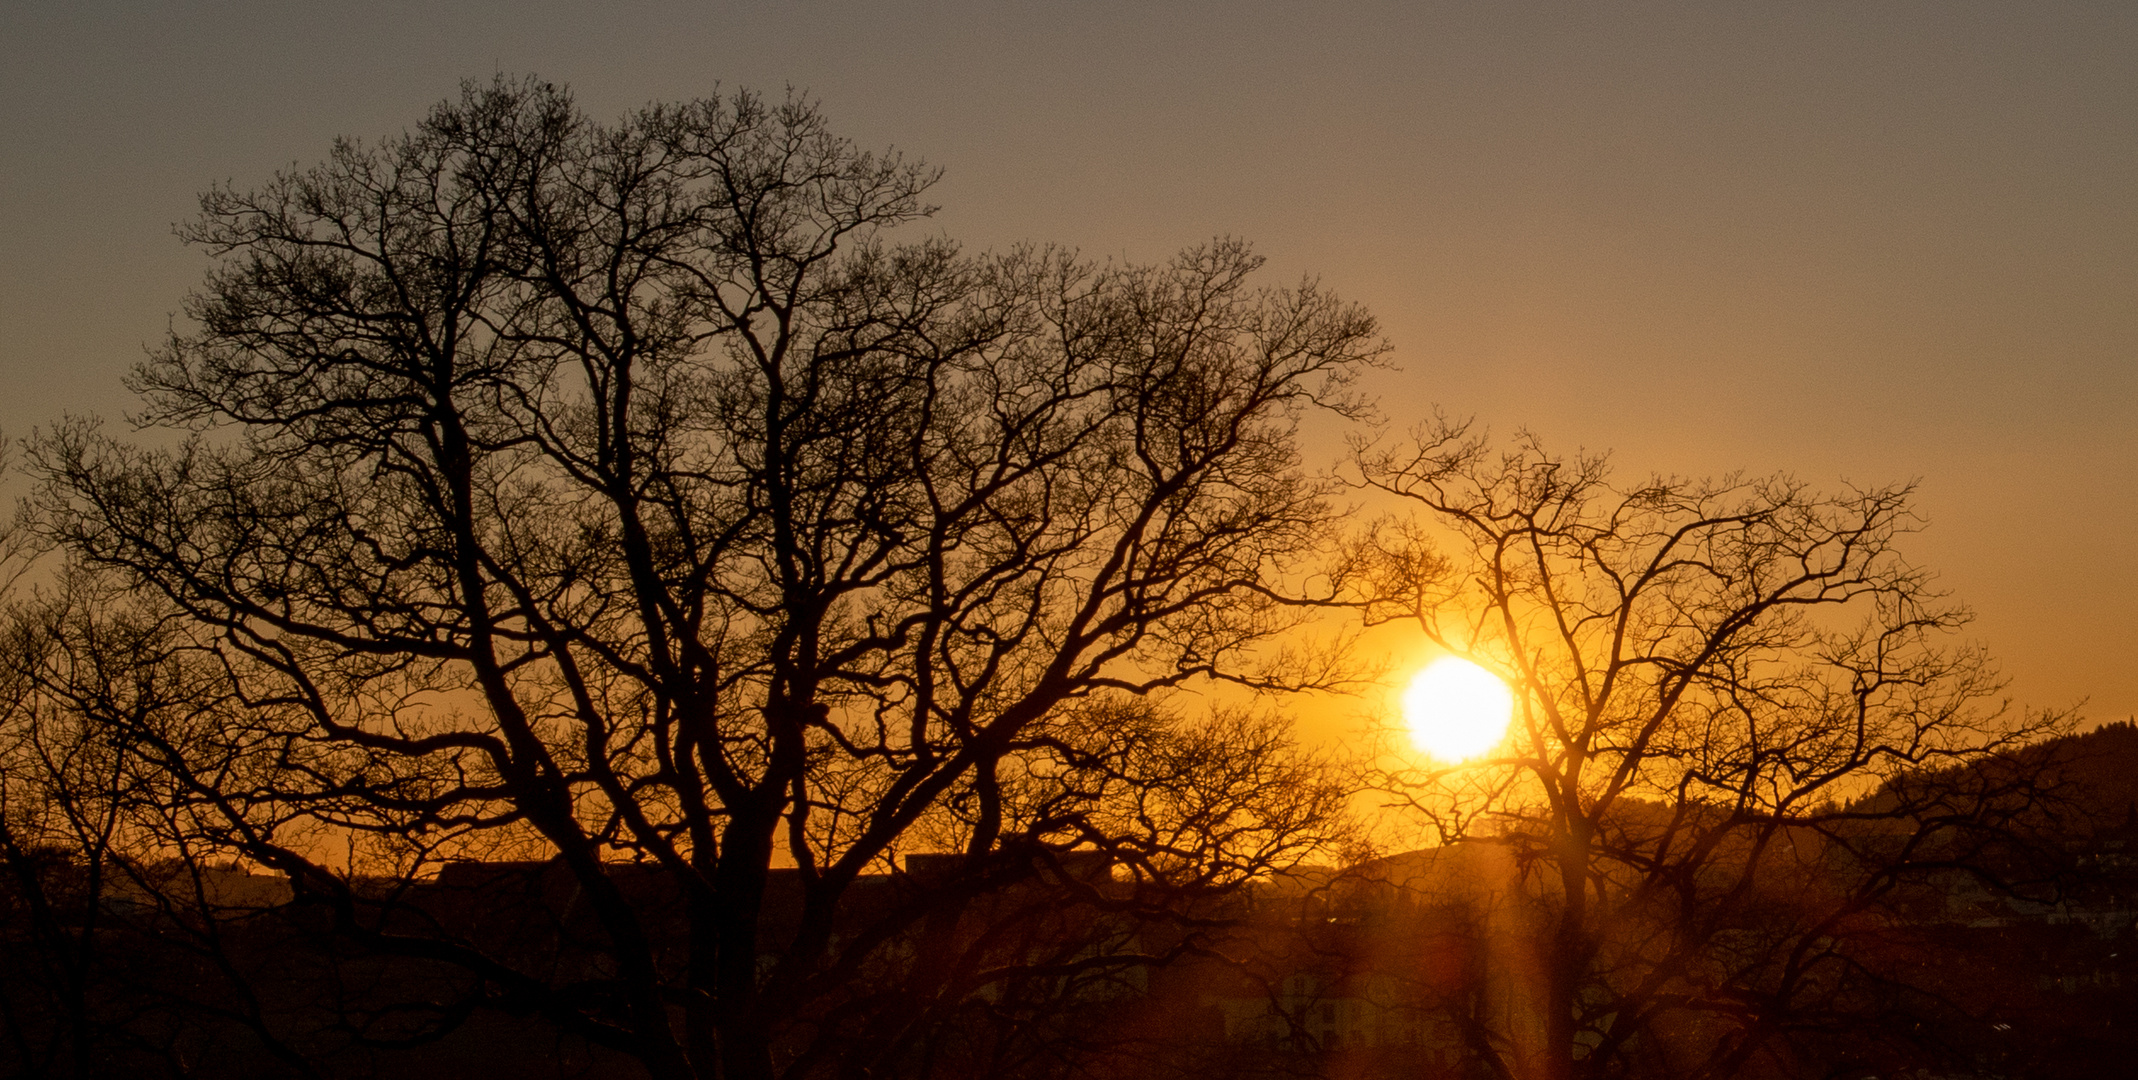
(1457, 710)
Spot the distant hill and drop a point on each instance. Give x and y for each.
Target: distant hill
(2097, 771)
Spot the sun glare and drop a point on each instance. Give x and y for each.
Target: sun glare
(1456, 709)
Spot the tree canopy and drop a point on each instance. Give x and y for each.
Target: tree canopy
(1743, 730)
(621, 492)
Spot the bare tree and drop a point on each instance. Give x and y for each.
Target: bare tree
(1740, 734)
(617, 493)
(117, 918)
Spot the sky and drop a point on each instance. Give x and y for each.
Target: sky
(1857, 241)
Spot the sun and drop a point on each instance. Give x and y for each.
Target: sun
(1457, 710)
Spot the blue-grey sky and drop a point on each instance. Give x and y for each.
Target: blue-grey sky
(1853, 240)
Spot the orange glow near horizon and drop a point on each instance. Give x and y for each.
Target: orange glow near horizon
(1457, 710)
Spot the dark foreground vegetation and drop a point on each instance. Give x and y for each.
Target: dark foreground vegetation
(1408, 965)
(593, 605)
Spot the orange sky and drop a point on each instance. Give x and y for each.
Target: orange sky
(1849, 240)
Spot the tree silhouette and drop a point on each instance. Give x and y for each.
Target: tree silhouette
(1740, 739)
(126, 931)
(610, 493)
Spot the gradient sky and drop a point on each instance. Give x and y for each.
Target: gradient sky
(1857, 240)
